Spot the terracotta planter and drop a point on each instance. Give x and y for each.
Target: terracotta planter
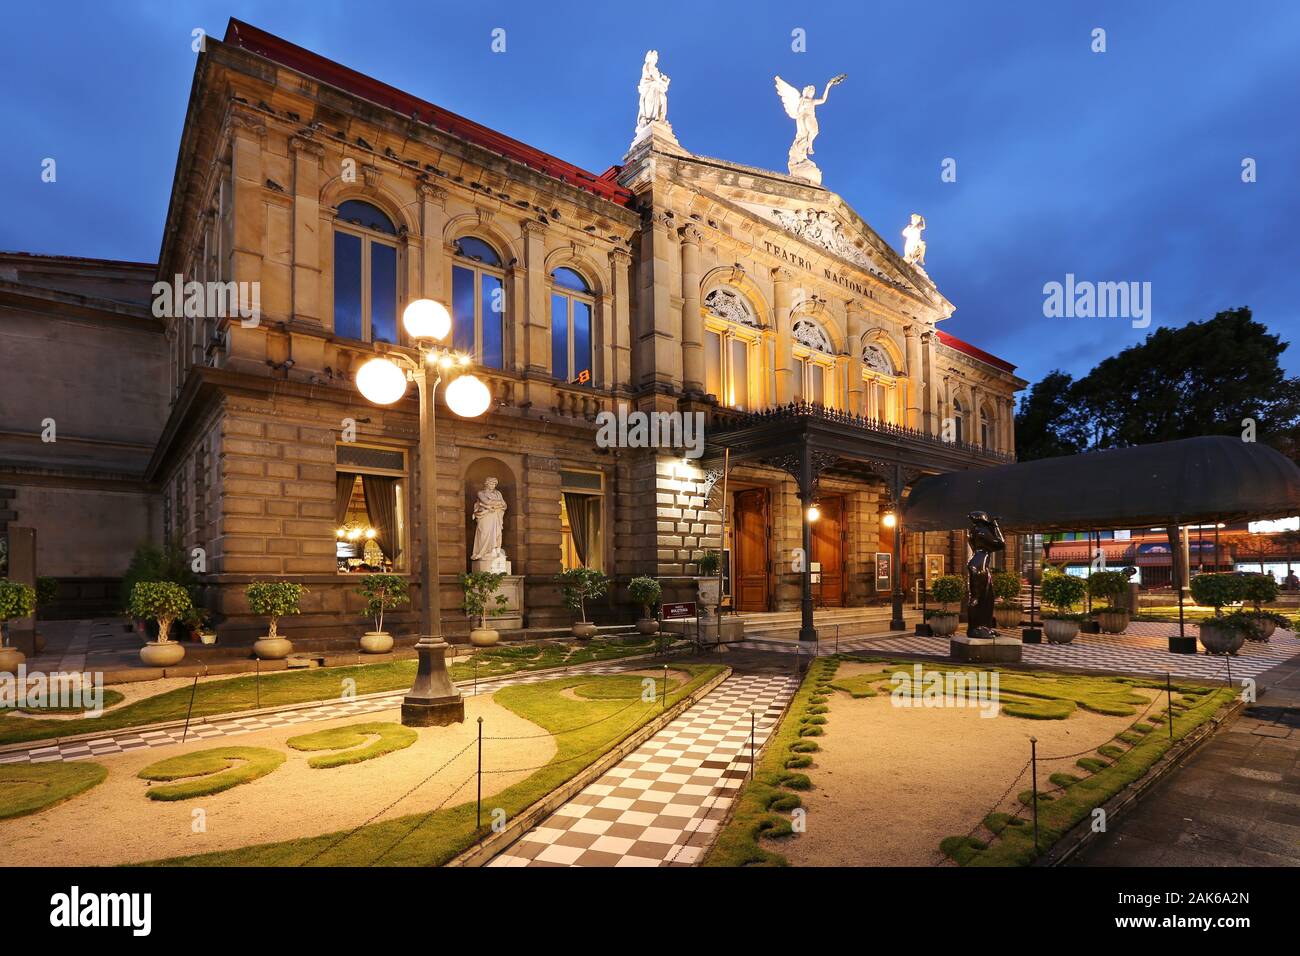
(1008, 617)
(1263, 629)
(483, 637)
(162, 654)
(1221, 640)
(944, 624)
(207, 637)
(10, 658)
(376, 642)
(1060, 632)
(272, 648)
(1113, 620)
(647, 625)
(584, 631)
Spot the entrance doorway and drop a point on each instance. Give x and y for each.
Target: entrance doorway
(749, 531)
(828, 551)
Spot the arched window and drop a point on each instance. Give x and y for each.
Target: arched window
(572, 306)
(478, 302)
(814, 364)
(885, 387)
(731, 341)
(957, 415)
(365, 273)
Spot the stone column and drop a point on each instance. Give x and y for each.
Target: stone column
(915, 376)
(620, 290)
(782, 293)
(433, 223)
(857, 388)
(931, 383)
(536, 318)
(692, 320)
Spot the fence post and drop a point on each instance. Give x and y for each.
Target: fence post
(478, 809)
(1033, 759)
(1169, 699)
(193, 691)
(257, 680)
(665, 687)
(753, 754)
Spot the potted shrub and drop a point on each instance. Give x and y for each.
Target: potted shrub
(580, 585)
(1062, 592)
(947, 590)
(1006, 588)
(1261, 589)
(480, 587)
(166, 563)
(646, 592)
(708, 588)
(1111, 587)
(199, 623)
(383, 592)
(165, 603)
(1223, 633)
(273, 600)
(17, 600)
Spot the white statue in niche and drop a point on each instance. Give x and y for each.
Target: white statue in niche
(489, 519)
(914, 245)
(654, 93)
(802, 108)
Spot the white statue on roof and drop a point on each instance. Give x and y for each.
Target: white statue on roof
(802, 108)
(653, 89)
(914, 245)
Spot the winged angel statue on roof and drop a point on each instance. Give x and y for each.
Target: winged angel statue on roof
(802, 108)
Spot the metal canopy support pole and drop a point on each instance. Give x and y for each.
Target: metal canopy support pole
(807, 629)
(722, 539)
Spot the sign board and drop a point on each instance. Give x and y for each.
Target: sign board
(677, 612)
(884, 570)
(933, 566)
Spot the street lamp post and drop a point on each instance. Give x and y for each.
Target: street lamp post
(433, 699)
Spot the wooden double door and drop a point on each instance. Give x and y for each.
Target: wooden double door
(751, 553)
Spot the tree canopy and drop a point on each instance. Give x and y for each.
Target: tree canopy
(1217, 377)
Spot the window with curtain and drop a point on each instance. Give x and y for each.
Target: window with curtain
(581, 537)
(814, 364)
(572, 308)
(478, 302)
(365, 273)
(370, 509)
(728, 363)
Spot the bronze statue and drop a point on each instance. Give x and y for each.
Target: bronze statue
(985, 539)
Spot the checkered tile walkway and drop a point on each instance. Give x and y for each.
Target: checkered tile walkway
(662, 804)
(1142, 649)
(212, 729)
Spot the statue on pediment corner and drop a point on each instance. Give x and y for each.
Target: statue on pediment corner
(802, 108)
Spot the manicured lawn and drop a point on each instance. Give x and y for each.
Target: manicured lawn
(231, 695)
(354, 743)
(111, 698)
(31, 787)
(584, 728)
(206, 772)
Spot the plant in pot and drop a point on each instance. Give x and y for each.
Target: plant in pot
(1261, 589)
(17, 600)
(166, 563)
(382, 592)
(1006, 588)
(708, 588)
(947, 589)
(273, 600)
(1223, 633)
(480, 588)
(580, 585)
(646, 591)
(1111, 587)
(1061, 592)
(164, 602)
(199, 622)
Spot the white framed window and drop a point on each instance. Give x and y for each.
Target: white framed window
(814, 365)
(478, 302)
(572, 343)
(366, 273)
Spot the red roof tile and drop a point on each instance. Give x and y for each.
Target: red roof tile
(281, 51)
(955, 343)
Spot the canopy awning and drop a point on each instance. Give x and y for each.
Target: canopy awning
(1213, 478)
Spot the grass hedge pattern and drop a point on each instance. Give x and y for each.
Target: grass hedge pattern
(27, 788)
(354, 743)
(206, 772)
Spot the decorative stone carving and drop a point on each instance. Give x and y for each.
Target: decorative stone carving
(809, 333)
(914, 247)
(802, 108)
(489, 519)
(821, 229)
(730, 305)
(876, 358)
(652, 105)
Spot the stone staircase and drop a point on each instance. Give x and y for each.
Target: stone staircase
(846, 622)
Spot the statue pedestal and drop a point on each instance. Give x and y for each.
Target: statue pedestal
(655, 137)
(985, 650)
(511, 617)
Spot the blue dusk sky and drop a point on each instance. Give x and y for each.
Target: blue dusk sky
(1124, 165)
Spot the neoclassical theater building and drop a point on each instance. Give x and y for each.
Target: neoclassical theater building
(758, 300)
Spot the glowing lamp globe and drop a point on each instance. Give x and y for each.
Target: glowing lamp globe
(889, 519)
(468, 397)
(426, 319)
(381, 381)
(814, 513)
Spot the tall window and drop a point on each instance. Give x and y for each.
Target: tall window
(572, 306)
(958, 413)
(986, 433)
(581, 538)
(731, 339)
(814, 364)
(370, 509)
(884, 386)
(478, 302)
(365, 274)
